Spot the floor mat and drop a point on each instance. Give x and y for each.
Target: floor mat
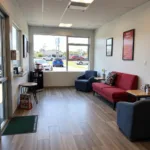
(21, 125)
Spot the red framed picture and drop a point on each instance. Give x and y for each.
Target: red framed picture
(128, 45)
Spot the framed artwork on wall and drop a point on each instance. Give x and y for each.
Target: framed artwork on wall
(28, 46)
(128, 45)
(109, 47)
(24, 46)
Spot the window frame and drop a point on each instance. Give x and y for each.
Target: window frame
(73, 44)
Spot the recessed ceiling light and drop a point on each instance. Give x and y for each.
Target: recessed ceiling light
(67, 25)
(83, 1)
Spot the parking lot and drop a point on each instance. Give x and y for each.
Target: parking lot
(72, 66)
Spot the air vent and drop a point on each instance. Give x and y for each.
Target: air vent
(78, 6)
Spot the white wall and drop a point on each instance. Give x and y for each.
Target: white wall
(61, 78)
(57, 79)
(16, 17)
(138, 19)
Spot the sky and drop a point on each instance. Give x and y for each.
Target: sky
(49, 42)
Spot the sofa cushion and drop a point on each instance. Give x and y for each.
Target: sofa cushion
(111, 78)
(126, 81)
(115, 93)
(100, 86)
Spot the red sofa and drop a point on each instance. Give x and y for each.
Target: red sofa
(116, 93)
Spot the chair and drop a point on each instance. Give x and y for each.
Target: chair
(84, 82)
(133, 119)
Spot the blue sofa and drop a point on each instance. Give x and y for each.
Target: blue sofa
(133, 119)
(84, 82)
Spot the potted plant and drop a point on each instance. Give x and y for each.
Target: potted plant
(104, 73)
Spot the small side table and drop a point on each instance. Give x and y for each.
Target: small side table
(29, 85)
(138, 94)
(99, 79)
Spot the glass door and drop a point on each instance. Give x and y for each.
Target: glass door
(3, 79)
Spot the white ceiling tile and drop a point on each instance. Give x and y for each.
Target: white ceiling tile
(99, 12)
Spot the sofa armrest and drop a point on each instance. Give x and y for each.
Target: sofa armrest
(81, 77)
(91, 79)
(125, 112)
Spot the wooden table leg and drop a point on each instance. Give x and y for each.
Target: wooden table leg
(138, 98)
(35, 97)
(129, 98)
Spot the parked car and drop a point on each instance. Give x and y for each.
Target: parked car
(82, 62)
(75, 57)
(47, 58)
(58, 63)
(50, 57)
(44, 63)
(53, 57)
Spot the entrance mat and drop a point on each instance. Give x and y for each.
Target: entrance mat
(21, 125)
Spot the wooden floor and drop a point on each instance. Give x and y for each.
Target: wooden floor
(72, 120)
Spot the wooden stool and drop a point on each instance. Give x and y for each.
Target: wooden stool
(29, 85)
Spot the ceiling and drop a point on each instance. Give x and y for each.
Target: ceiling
(53, 12)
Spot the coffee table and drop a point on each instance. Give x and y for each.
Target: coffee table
(138, 94)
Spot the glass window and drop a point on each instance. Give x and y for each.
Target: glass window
(16, 44)
(14, 38)
(60, 55)
(78, 52)
(78, 65)
(53, 50)
(77, 40)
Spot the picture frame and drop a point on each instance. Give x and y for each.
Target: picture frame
(24, 46)
(128, 45)
(27, 46)
(109, 47)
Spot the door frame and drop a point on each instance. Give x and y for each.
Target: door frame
(8, 67)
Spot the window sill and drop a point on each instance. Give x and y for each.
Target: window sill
(20, 75)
